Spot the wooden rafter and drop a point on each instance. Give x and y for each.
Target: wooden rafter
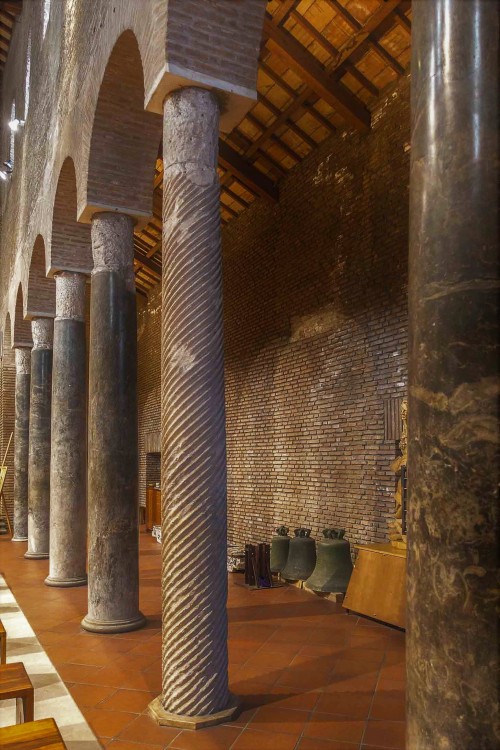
(316, 77)
(246, 172)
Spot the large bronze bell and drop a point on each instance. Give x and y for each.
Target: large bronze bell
(301, 556)
(334, 565)
(279, 549)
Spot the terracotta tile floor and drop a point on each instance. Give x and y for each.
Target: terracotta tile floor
(310, 676)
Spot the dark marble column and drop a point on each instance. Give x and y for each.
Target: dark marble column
(42, 330)
(453, 453)
(21, 444)
(194, 576)
(68, 464)
(113, 532)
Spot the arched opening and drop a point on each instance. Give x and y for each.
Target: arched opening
(41, 297)
(71, 247)
(7, 409)
(22, 328)
(125, 138)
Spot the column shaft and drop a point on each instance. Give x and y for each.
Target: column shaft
(21, 444)
(453, 471)
(39, 438)
(113, 545)
(68, 465)
(194, 576)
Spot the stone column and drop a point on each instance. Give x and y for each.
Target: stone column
(113, 530)
(42, 331)
(68, 464)
(21, 444)
(453, 452)
(194, 577)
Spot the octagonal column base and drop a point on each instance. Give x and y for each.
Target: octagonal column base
(165, 719)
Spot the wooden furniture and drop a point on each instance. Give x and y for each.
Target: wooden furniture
(3, 644)
(378, 584)
(15, 683)
(153, 508)
(35, 735)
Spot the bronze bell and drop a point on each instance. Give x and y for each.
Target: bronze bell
(301, 556)
(279, 549)
(334, 565)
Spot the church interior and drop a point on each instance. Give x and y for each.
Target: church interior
(249, 374)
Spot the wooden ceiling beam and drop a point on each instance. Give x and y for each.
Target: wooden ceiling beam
(283, 10)
(296, 96)
(276, 111)
(334, 53)
(246, 172)
(387, 58)
(241, 141)
(276, 139)
(145, 263)
(402, 20)
(315, 76)
(235, 197)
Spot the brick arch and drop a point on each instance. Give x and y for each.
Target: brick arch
(125, 138)
(21, 328)
(70, 247)
(41, 296)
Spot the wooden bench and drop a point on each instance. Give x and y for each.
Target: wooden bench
(3, 644)
(15, 683)
(35, 735)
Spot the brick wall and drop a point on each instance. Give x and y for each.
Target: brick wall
(315, 332)
(316, 328)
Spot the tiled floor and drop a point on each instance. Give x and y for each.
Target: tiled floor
(310, 676)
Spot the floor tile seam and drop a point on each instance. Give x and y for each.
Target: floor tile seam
(371, 708)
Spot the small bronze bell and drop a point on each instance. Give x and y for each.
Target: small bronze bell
(279, 549)
(301, 556)
(334, 565)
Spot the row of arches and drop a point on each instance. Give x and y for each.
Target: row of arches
(124, 144)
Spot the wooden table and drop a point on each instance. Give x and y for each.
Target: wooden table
(35, 735)
(378, 584)
(3, 644)
(15, 683)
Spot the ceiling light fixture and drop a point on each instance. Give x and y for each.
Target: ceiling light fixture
(9, 166)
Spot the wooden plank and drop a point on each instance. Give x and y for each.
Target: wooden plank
(246, 172)
(316, 77)
(147, 264)
(318, 37)
(276, 111)
(378, 584)
(33, 734)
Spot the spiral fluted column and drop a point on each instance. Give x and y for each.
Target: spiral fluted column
(42, 331)
(21, 443)
(113, 528)
(194, 577)
(453, 451)
(68, 464)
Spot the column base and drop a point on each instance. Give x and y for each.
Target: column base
(113, 626)
(165, 719)
(19, 539)
(65, 582)
(37, 555)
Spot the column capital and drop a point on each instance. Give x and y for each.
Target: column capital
(193, 115)
(23, 361)
(42, 331)
(113, 244)
(70, 296)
